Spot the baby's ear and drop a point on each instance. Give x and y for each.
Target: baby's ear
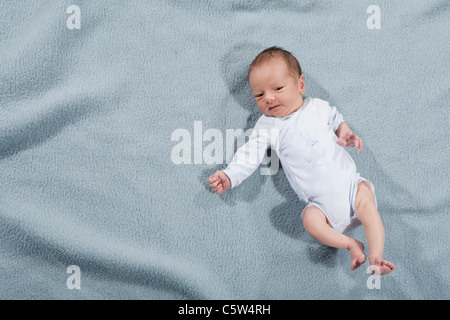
(301, 85)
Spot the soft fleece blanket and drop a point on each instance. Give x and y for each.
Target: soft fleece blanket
(113, 114)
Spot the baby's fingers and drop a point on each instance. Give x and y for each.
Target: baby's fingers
(213, 178)
(219, 190)
(359, 145)
(217, 187)
(214, 183)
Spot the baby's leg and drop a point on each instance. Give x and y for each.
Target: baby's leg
(316, 223)
(367, 213)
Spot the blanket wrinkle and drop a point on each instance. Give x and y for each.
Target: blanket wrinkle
(127, 264)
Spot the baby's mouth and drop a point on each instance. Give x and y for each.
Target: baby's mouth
(274, 107)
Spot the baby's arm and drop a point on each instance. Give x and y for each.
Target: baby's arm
(244, 163)
(347, 138)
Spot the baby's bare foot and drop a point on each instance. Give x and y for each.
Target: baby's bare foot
(357, 254)
(384, 265)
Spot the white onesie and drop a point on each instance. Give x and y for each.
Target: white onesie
(319, 170)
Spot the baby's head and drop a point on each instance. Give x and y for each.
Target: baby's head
(276, 81)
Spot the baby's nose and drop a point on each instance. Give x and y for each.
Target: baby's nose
(269, 98)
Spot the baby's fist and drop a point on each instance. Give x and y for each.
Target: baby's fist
(219, 182)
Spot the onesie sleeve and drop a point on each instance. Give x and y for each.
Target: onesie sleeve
(335, 118)
(248, 157)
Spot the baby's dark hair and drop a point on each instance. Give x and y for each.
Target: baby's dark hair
(277, 52)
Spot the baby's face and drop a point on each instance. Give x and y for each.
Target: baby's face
(277, 93)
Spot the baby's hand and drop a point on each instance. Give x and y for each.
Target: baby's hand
(351, 140)
(219, 182)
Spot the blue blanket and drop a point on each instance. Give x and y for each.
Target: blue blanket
(114, 114)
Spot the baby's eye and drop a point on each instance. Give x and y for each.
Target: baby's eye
(258, 95)
(279, 88)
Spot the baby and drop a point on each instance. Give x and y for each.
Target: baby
(310, 145)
